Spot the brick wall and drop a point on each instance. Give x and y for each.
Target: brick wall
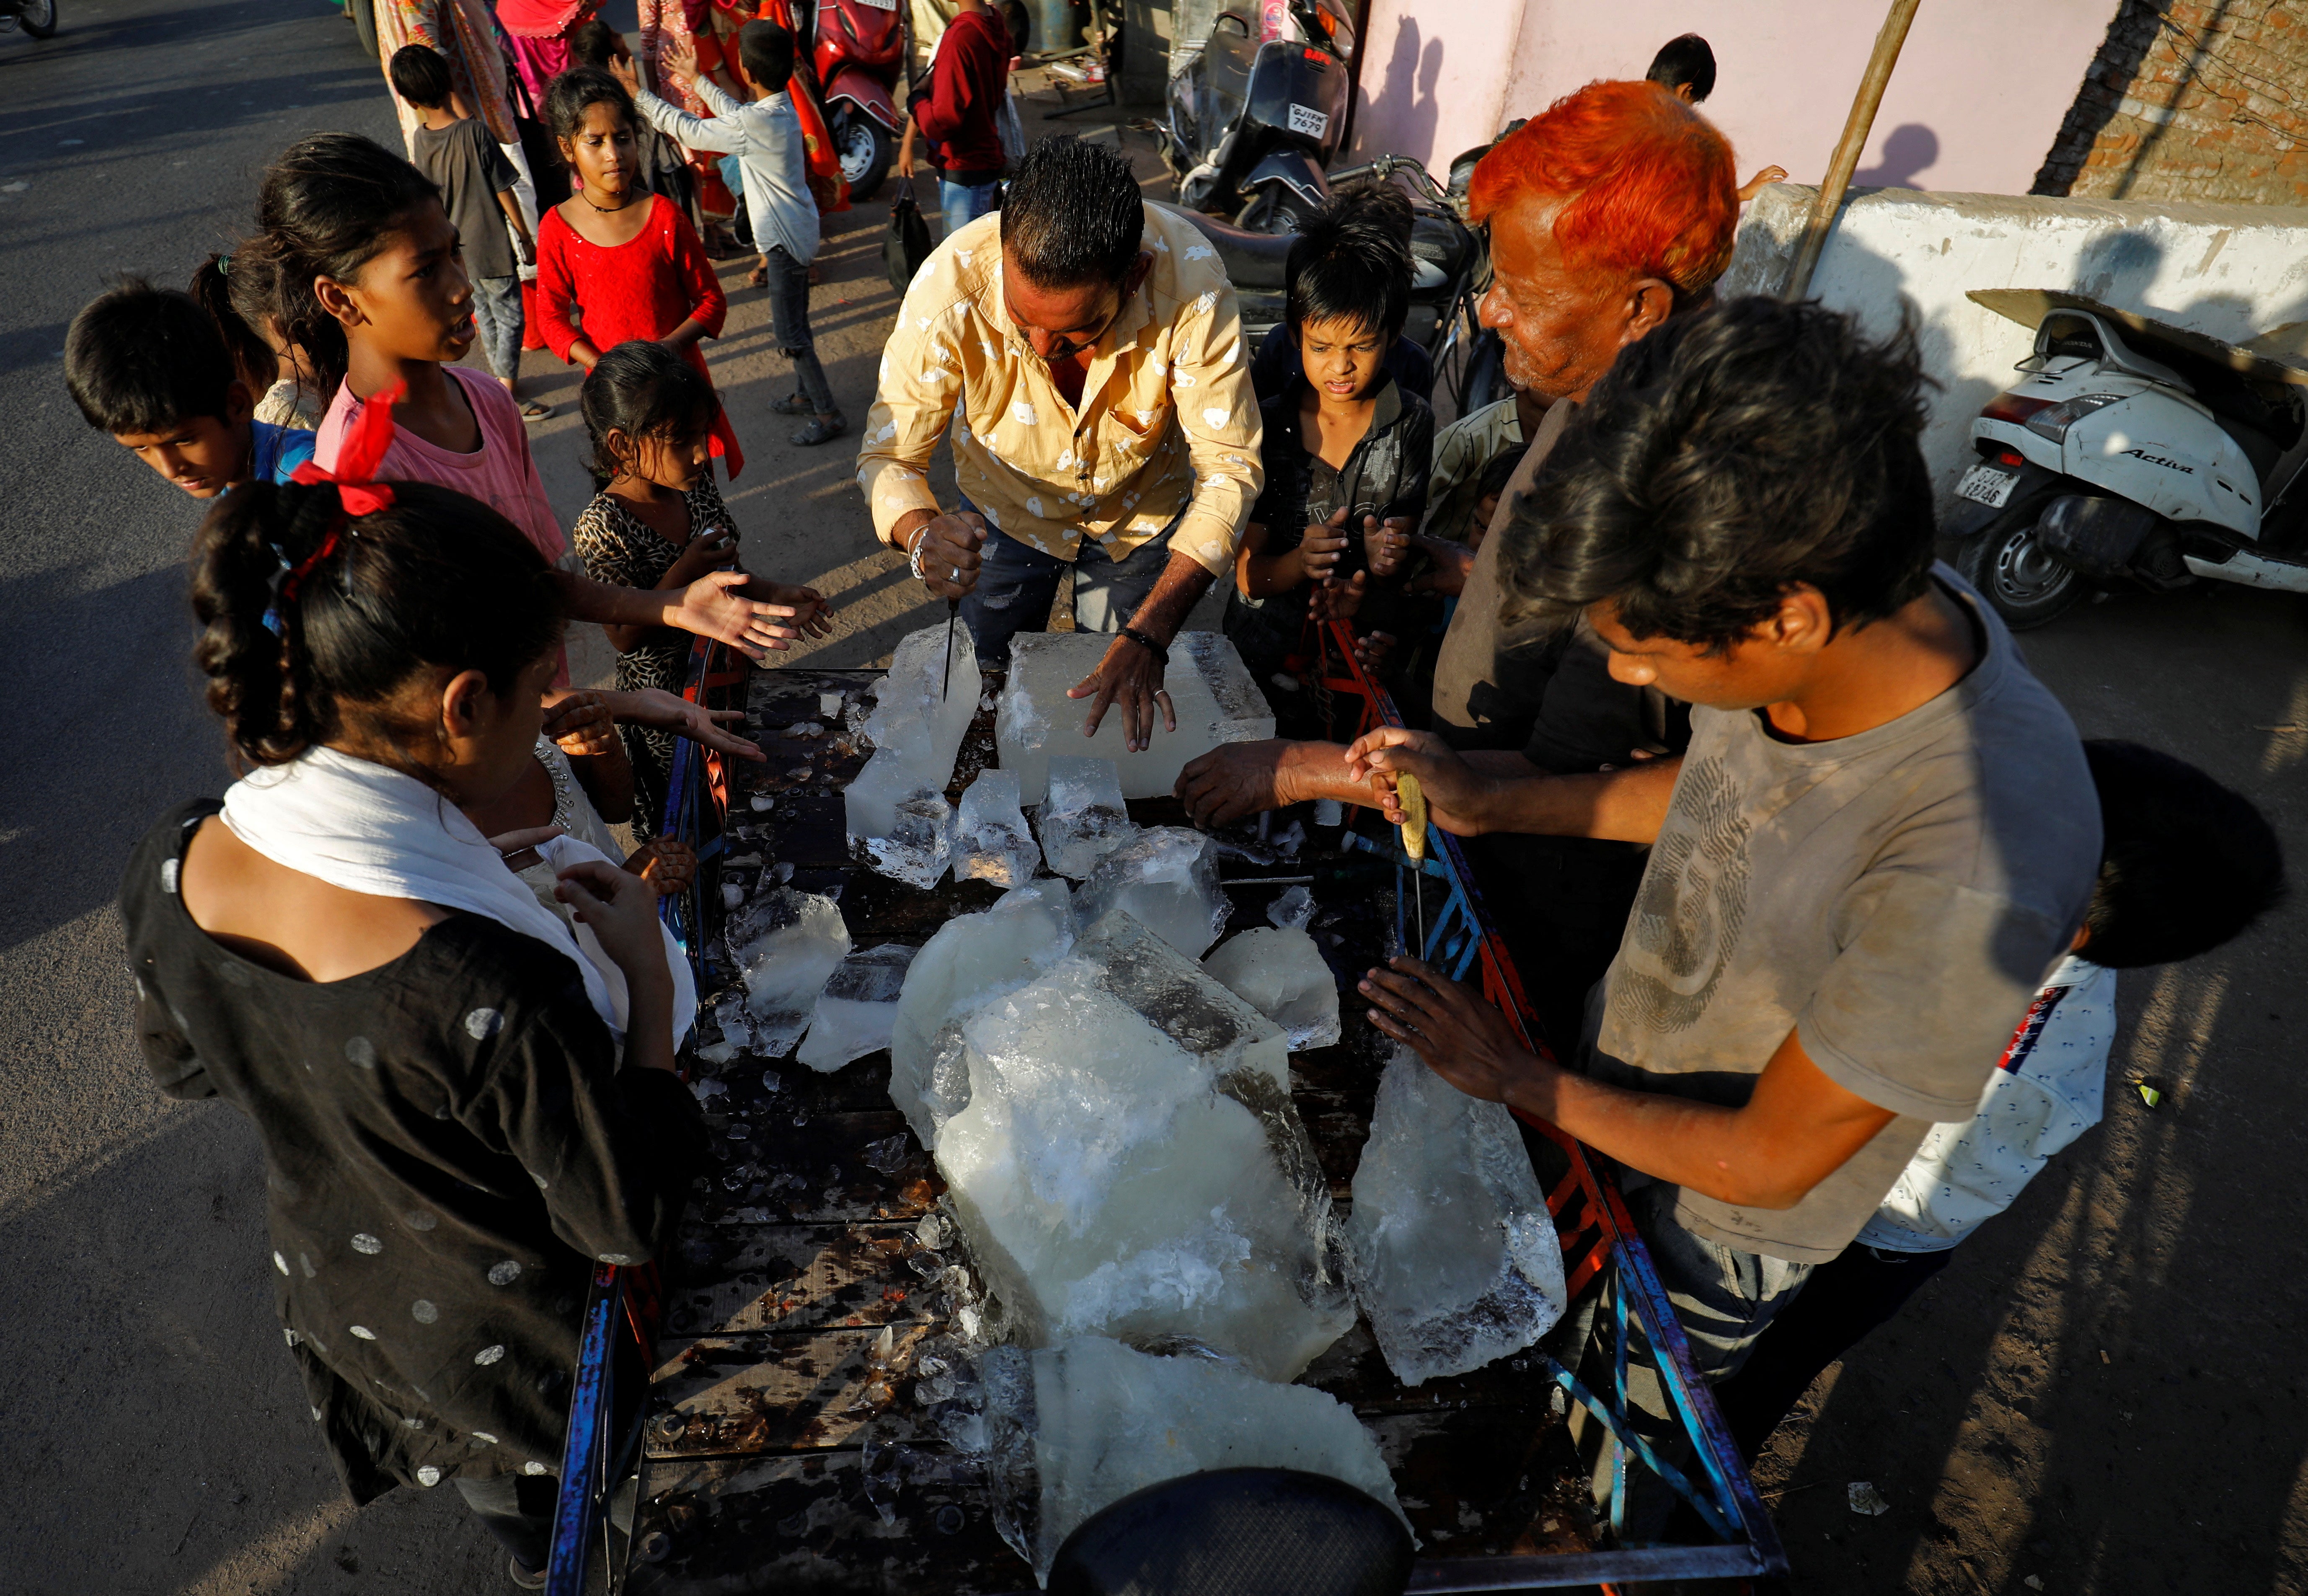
(2190, 100)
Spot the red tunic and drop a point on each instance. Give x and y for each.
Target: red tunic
(644, 287)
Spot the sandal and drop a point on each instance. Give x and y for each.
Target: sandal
(822, 429)
(536, 410)
(795, 404)
(758, 278)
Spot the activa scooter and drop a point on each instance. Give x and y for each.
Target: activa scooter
(858, 60)
(2135, 456)
(1253, 126)
(37, 18)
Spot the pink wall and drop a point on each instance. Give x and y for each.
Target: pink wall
(1979, 92)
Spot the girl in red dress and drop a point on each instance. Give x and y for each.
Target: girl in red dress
(614, 262)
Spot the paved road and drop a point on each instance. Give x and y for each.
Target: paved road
(2102, 1392)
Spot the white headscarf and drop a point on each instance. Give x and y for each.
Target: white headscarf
(366, 827)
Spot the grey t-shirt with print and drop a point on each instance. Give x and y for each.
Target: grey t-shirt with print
(1895, 897)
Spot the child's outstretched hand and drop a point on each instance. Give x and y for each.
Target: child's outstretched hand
(713, 606)
(813, 611)
(666, 864)
(655, 707)
(678, 57)
(709, 549)
(1385, 543)
(1339, 600)
(1321, 547)
(581, 725)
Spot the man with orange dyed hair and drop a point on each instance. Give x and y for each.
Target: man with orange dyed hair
(1608, 212)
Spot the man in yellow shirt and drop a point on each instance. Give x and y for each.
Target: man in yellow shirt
(1084, 352)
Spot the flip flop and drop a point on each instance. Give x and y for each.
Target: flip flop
(536, 410)
(821, 429)
(793, 404)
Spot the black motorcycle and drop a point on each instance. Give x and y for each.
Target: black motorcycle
(1252, 126)
(1451, 271)
(37, 18)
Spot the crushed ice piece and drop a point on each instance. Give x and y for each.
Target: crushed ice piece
(1280, 973)
(984, 702)
(786, 943)
(1330, 812)
(800, 773)
(971, 960)
(1167, 878)
(1083, 816)
(781, 873)
(716, 1052)
(743, 862)
(991, 840)
(889, 1154)
(855, 1010)
(763, 801)
(1292, 839)
(729, 1014)
(803, 728)
(732, 896)
(1129, 1162)
(931, 1232)
(1212, 695)
(706, 1089)
(829, 704)
(1293, 910)
(1455, 1258)
(1073, 1429)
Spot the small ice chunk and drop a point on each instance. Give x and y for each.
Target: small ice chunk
(1292, 911)
(1167, 879)
(732, 894)
(1129, 1162)
(991, 839)
(1455, 1257)
(973, 959)
(919, 841)
(828, 705)
(729, 1014)
(786, 943)
(1211, 695)
(1084, 816)
(857, 1008)
(1073, 1429)
(1280, 973)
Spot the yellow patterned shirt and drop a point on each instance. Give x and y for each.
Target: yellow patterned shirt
(1167, 420)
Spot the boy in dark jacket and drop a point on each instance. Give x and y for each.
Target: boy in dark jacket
(1346, 448)
(957, 107)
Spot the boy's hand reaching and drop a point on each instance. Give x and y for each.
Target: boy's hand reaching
(713, 607)
(1340, 601)
(627, 73)
(581, 725)
(1385, 543)
(813, 611)
(1321, 546)
(678, 57)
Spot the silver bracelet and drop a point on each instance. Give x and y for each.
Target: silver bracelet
(914, 559)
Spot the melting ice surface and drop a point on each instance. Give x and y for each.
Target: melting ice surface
(920, 716)
(1073, 1429)
(1082, 819)
(1213, 696)
(786, 943)
(1128, 1163)
(1455, 1257)
(991, 841)
(856, 1009)
(1293, 910)
(1281, 975)
(973, 959)
(1167, 879)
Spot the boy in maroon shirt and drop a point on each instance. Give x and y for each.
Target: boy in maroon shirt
(955, 107)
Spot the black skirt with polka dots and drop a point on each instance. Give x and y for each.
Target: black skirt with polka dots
(449, 1145)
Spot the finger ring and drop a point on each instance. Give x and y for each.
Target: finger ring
(956, 575)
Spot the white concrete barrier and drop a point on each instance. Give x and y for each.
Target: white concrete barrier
(2232, 271)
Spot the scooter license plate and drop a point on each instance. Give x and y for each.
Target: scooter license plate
(1986, 485)
(1308, 120)
(880, 4)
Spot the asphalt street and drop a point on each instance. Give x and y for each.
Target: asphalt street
(2101, 1394)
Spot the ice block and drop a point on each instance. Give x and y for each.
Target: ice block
(786, 944)
(921, 712)
(1082, 816)
(1167, 878)
(856, 1009)
(1280, 973)
(1213, 696)
(991, 841)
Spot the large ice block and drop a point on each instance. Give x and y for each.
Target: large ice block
(921, 712)
(1280, 973)
(1082, 816)
(786, 943)
(1167, 879)
(857, 1008)
(1455, 1257)
(1070, 1430)
(1129, 1162)
(973, 959)
(991, 841)
(1213, 696)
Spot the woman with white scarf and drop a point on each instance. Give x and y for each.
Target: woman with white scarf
(430, 1058)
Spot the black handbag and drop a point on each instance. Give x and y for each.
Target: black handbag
(907, 245)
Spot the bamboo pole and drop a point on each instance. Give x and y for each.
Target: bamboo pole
(1849, 148)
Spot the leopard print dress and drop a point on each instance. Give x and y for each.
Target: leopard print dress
(618, 547)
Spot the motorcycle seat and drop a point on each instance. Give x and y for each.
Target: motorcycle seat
(1251, 260)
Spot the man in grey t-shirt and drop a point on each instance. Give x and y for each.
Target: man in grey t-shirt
(1881, 838)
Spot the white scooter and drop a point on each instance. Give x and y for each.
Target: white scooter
(2134, 456)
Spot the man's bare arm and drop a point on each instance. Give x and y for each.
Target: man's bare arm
(1797, 1128)
(1468, 797)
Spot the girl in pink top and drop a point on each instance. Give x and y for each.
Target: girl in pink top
(371, 285)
